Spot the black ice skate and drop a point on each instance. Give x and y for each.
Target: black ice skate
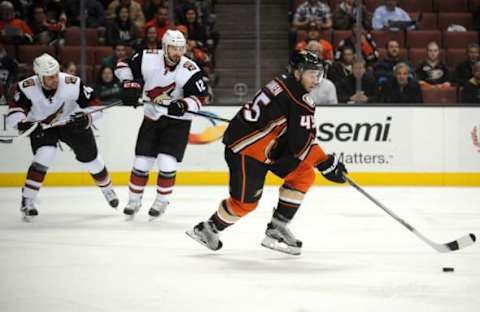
(132, 208)
(110, 196)
(206, 234)
(278, 237)
(158, 208)
(28, 209)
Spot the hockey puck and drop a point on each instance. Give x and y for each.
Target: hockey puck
(448, 269)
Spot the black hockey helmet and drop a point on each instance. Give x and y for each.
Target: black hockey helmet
(304, 60)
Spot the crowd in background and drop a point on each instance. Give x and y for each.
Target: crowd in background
(393, 66)
(126, 26)
(386, 73)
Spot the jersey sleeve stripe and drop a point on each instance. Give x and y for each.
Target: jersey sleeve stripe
(256, 135)
(300, 103)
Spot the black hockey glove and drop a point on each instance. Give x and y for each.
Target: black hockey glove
(333, 169)
(23, 126)
(177, 107)
(79, 122)
(131, 92)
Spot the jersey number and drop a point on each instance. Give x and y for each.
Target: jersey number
(251, 110)
(200, 85)
(307, 121)
(87, 91)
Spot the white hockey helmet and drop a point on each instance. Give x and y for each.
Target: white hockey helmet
(173, 38)
(45, 65)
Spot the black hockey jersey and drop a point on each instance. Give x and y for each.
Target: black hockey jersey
(279, 121)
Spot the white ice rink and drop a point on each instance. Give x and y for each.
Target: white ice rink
(80, 255)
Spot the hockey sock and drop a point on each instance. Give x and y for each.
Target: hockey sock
(102, 179)
(138, 180)
(165, 183)
(288, 203)
(223, 217)
(35, 176)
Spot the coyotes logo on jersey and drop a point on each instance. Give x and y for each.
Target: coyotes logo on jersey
(160, 94)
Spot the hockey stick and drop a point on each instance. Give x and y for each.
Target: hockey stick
(462, 242)
(11, 139)
(202, 114)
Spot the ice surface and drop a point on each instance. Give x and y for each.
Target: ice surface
(80, 255)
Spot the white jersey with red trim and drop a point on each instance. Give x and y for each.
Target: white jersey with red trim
(162, 84)
(33, 103)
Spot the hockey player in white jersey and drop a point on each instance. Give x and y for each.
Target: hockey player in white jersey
(160, 76)
(49, 97)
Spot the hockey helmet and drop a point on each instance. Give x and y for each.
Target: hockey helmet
(305, 60)
(173, 38)
(45, 65)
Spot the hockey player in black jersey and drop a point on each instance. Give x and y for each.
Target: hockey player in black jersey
(49, 97)
(274, 132)
(163, 76)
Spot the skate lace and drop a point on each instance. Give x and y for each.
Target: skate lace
(109, 194)
(284, 232)
(159, 205)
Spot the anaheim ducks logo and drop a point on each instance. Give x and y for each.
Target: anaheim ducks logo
(307, 99)
(476, 137)
(160, 94)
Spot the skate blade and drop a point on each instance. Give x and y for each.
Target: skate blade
(28, 219)
(150, 218)
(195, 237)
(129, 217)
(273, 244)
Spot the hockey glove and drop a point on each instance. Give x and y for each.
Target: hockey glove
(23, 126)
(131, 92)
(79, 122)
(333, 169)
(177, 107)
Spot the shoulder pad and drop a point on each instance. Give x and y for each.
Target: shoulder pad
(70, 79)
(29, 82)
(274, 88)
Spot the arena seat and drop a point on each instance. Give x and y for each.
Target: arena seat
(26, 53)
(447, 19)
(429, 21)
(415, 56)
(416, 5)
(68, 53)
(339, 35)
(455, 57)
(420, 38)
(72, 36)
(381, 37)
(445, 6)
(459, 40)
(440, 96)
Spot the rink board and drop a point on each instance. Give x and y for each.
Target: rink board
(379, 145)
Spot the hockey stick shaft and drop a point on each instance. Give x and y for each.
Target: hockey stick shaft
(462, 242)
(56, 124)
(201, 114)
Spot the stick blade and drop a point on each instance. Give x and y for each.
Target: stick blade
(460, 243)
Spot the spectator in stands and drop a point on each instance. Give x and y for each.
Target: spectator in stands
(196, 31)
(312, 14)
(432, 72)
(341, 68)
(108, 88)
(383, 69)
(136, 12)
(314, 35)
(463, 72)
(160, 22)
(122, 29)
(324, 93)
(347, 88)
(369, 47)
(13, 30)
(401, 88)
(150, 7)
(119, 54)
(43, 30)
(94, 16)
(391, 17)
(150, 40)
(8, 73)
(70, 68)
(345, 16)
(471, 91)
